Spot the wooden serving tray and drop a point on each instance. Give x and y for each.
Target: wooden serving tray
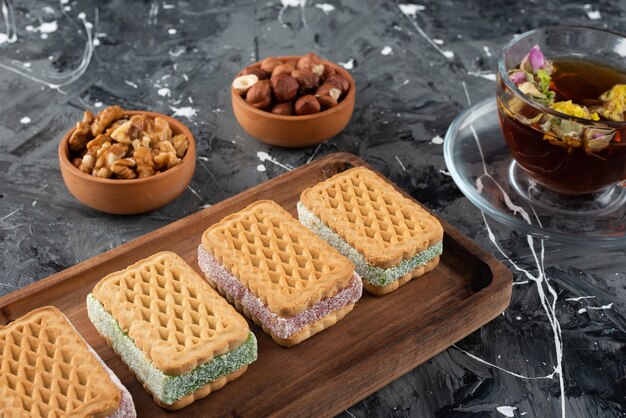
(379, 341)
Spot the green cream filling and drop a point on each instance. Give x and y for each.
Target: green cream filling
(376, 276)
(166, 387)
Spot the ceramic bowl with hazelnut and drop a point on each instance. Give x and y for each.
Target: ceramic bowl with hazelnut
(127, 162)
(293, 101)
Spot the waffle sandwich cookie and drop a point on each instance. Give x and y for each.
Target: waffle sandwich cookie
(389, 238)
(179, 337)
(278, 273)
(48, 370)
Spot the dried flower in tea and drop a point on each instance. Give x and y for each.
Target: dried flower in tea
(613, 103)
(532, 76)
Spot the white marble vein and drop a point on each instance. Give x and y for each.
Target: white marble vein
(546, 293)
(264, 156)
(410, 11)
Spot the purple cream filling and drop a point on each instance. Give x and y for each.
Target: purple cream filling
(127, 406)
(281, 327)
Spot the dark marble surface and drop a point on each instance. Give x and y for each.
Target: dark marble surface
(560, 348)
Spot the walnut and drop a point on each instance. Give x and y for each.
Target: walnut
(97, 142)
(145, 141)
(162, 129)
(105, 118)
(102, 172)
(107, 155)
(124, 168)
(116, 152)
(166, 160)
(121, 134)
(114, 126)
(180, 143)
(130, 130)
(165, 146)
(100, 169)
(145, 162)
(88, 117)
(165, 156)
(87, 164)
(100, 151)
(112, 146)
(80, 136)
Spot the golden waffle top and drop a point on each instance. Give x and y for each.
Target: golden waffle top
(372, 216)
(282, 263)
(171, 313)
(47, 370)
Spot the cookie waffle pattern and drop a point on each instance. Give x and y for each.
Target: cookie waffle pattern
(47, 370)
(172, 392)
(279, 260)
(372, 276)
(373, 217)
(282, 328)
(170, 313)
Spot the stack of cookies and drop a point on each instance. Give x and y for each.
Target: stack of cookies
(48, 370)
(176, 334)
(389, 238)
(278, 273)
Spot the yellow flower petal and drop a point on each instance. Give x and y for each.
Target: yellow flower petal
(575, 110)
(614, 103)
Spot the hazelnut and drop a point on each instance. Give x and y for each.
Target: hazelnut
(254, 69)
(285, 87)
(307, 80)
(260, 94)
(283, 69)
(243, 83)
(328, 72)
(293, 62)
(307, 105)
(327, 89)
(268, 64)
(326, 102)
(285, 108)
(340, 82)
(311, 62)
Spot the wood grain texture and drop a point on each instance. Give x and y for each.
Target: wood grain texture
(379, 341)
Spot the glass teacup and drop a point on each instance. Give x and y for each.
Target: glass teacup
(566, 155)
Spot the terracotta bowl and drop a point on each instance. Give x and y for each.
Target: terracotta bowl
(125, 197)
(295, 131)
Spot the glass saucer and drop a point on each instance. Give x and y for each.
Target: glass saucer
(483, 168)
